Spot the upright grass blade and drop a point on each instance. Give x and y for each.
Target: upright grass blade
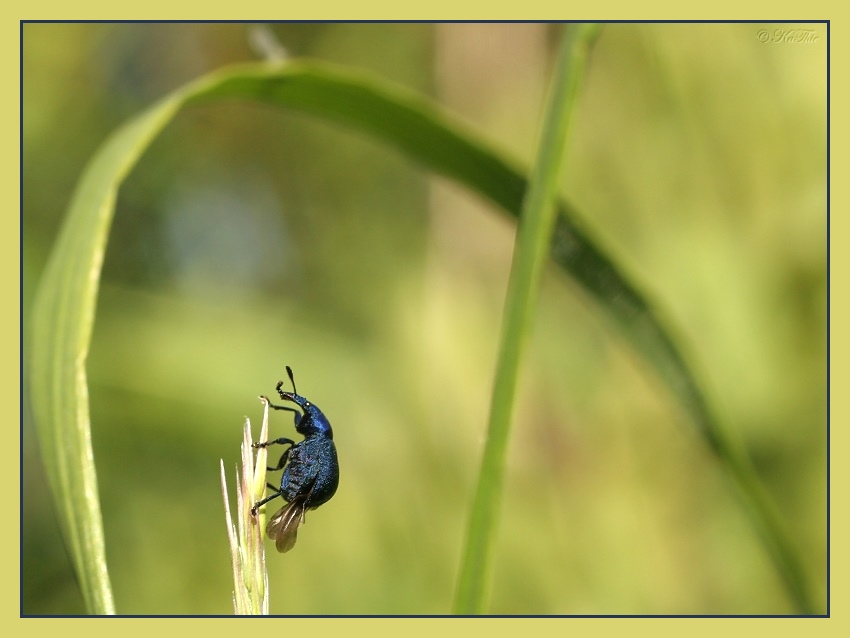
(531, 248)
(63, 311)
(247, 554)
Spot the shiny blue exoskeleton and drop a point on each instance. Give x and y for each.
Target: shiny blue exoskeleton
(312, 470)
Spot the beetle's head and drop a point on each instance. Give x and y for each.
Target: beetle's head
(312, 421)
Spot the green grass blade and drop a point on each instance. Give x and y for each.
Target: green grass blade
(63, 315)
(64, 307)
(531, 249)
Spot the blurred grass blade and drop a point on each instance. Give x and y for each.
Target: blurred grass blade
(63, 312)
(531, 249)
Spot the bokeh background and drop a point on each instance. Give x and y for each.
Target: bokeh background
(249, 238)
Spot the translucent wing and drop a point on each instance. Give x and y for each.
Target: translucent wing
(283, 526)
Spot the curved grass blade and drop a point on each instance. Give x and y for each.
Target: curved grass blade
(63, 315)
(63, 311)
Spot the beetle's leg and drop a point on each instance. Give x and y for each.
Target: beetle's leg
(281, 441)
(283, 457)
(259, 504)
(281, 462)
(280, 407)
(296, 414)
(283, 407)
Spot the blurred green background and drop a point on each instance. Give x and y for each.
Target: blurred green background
(249, 238)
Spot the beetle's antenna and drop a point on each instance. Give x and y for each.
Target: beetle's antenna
(291, 378)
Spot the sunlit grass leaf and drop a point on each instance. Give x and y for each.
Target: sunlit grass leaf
(64, 307)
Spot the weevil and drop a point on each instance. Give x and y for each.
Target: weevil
(310, 468)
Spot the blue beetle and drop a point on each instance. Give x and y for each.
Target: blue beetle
(312, 470)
